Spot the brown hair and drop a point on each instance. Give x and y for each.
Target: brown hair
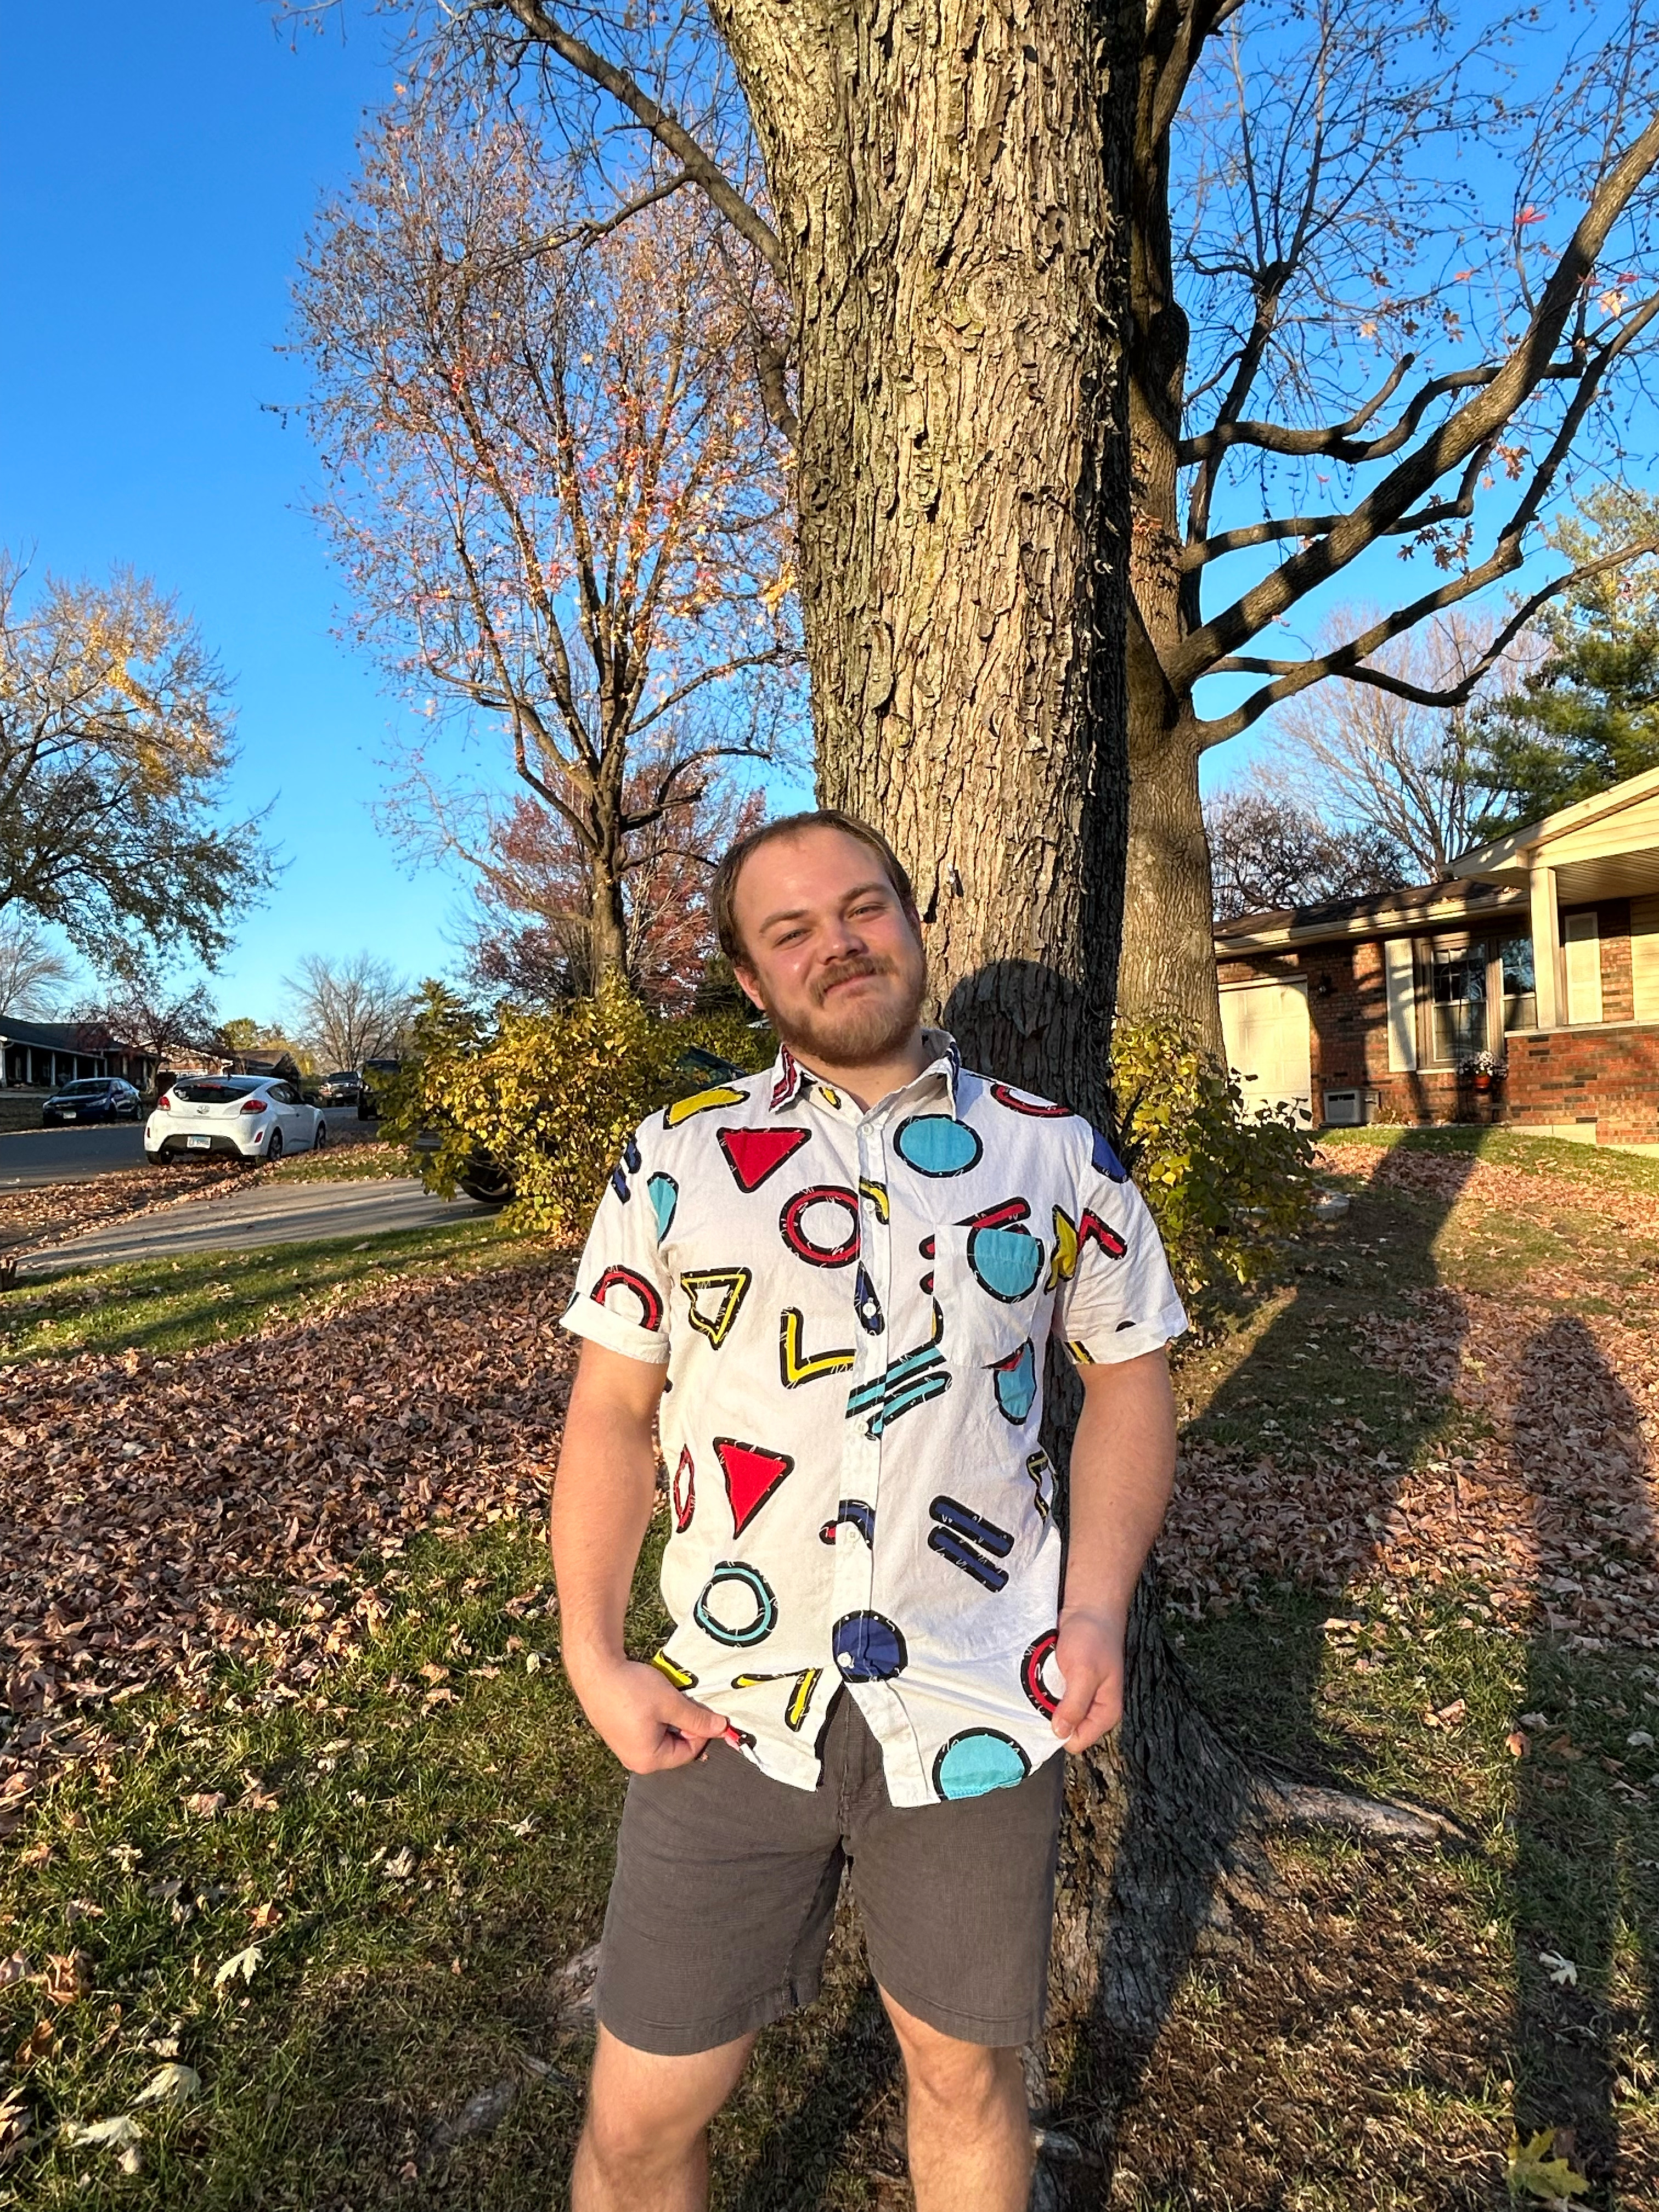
(722, 894)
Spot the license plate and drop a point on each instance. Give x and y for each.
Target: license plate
(68, 1116)
(203, 1142)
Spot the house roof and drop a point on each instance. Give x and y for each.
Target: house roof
(82, 1037)
(1383, 913)
(1511, 856)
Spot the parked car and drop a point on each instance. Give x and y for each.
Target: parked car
(368, 1104)
(343, 1088)
(93, 1099)
(251, 1117)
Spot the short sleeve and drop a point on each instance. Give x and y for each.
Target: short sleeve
(1116, 1297)
(621, 1285)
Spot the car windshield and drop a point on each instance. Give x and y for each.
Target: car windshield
(211, 1091)
(86, 1089)
(342, 1075)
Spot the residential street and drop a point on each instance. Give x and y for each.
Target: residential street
(268, 1213)
(31, 1158)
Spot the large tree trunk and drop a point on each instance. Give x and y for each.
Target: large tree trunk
(945, 178)
(1168, 968)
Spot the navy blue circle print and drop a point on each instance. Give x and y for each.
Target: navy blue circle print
(977, 1761)
(766, 1605)
(868, 1647)
(938, 1144)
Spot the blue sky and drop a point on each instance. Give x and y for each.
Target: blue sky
(159, 169)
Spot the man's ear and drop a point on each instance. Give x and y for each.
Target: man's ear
(749, 984)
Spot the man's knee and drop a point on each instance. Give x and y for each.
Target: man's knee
(946, 2071)
(646, 2110)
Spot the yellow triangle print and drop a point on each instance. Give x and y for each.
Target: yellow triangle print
(726, 1289)
(793, 1363)
(700, 1102)
(680, 1676)
(800, 1698)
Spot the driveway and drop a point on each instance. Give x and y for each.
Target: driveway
(274, 1213)
(31, 1158)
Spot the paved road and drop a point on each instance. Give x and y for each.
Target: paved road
(29, 1158)
(275, 1213)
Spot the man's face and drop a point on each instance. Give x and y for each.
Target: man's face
(831, 954)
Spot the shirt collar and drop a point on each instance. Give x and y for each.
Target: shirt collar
(790, 1078)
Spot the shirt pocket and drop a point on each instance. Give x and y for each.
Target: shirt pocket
(991, 1288)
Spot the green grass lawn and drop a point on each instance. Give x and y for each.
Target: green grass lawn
(168, 1305)
(420, 1843)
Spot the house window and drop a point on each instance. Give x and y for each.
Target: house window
(1518, 984)
(1457, 1004)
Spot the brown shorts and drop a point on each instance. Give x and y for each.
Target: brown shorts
(725, 1894)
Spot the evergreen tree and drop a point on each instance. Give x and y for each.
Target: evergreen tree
(1587, 715)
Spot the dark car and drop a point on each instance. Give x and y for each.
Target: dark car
(368, 1105)
(343, 1088)
(94, 1098)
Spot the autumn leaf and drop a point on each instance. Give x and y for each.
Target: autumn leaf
(243, 1964)
(1533, 2172)
(206, 1804)
(1564, 1973)
(68, 1977)
(35, 2045)
(173, 2084)
(121, 2134)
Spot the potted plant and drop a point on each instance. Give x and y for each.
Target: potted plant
(1481, 1070)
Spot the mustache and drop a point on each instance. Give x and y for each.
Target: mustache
(846, 971)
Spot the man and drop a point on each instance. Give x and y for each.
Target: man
(832, 1285)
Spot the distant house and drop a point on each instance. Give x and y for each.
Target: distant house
(1539, 950)
(41, 1055)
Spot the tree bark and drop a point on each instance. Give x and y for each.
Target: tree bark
(947, 181)
(1168, 968)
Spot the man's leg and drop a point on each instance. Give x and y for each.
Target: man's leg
(644, 2146)
(969, 2130)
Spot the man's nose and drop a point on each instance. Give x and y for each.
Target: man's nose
(841, 939)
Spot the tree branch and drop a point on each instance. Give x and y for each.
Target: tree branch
(699, 165)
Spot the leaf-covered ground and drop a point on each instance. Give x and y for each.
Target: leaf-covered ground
(301, 1805)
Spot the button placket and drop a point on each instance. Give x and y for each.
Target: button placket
(860, 1464)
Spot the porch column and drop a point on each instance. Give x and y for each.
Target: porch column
(1546, 944)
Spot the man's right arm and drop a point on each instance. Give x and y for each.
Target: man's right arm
(602, 1502)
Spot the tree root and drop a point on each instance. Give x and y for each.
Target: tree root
(1288, 1804)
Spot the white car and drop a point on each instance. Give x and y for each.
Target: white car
(253, 1117)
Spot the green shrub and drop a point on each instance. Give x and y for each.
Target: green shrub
(550, 1099)
(1225, 1186)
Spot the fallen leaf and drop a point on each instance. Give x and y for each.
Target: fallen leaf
(1515, 1744)
(1638, 1740)
(170, 2085)
(244, 1963)
(207, 1804)
(1533, 2170)
(15, 2118)
(265, 1917)
(34, 2046)
(1562, 1971)
(14, 1969)
(68, 1978)
(401, 1864)
(121, 2134)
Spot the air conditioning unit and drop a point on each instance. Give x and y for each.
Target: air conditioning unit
(1343, 1110)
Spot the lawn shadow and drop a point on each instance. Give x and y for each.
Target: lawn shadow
(1587, 1906)
(1187, 1873)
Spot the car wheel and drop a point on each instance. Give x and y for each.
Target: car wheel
(154, 1159)
(321, 1137)
(274, 1148)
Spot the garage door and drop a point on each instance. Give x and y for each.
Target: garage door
(1265, 1027)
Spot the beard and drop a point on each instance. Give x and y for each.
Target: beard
(865, 1033)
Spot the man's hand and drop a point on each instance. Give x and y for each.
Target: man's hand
(1089, 1660)
(645, 1721)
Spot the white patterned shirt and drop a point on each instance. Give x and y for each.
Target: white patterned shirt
(852, 1308)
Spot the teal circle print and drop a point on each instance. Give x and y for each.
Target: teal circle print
(978, 1761)
(1006, 1261)
(937, 1144)
(734, 1572)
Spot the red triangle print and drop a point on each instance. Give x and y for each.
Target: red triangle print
(754, 1154)
(751, 1475)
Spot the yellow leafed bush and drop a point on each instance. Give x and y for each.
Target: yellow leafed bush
(1225, 1186)
(550, 1099)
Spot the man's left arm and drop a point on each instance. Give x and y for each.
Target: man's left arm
(1122, 1473)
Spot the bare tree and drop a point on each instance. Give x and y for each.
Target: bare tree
(559, 502)
(115, 739)
(142, 1002)
(1393, 763)
(32, 972)
(349, 1011)
(1267, 851)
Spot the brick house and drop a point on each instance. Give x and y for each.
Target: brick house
(1374, 1009)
